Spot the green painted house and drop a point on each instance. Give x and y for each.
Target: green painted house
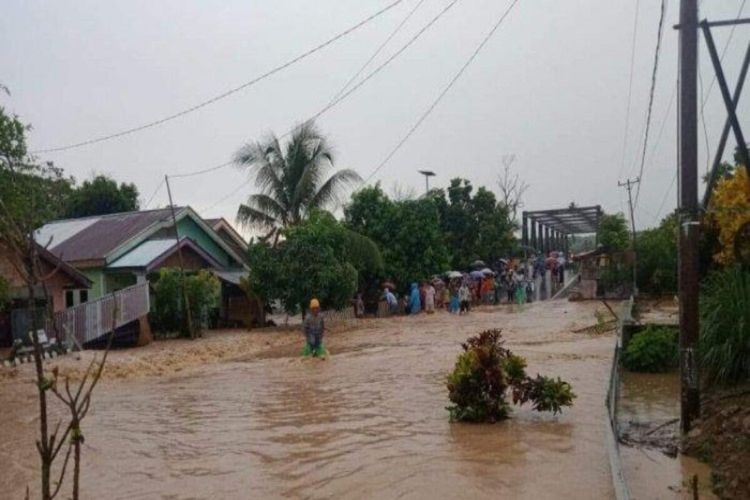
(118, 250)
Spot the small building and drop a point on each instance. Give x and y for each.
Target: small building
(119, 250)
(65, 285)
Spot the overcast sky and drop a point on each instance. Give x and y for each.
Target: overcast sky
(551, 87)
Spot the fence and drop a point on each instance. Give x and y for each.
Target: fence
(91, 320)
(613, 396)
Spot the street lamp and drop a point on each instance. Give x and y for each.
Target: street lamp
(427, 174)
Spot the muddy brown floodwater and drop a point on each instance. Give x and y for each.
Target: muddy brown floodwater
(369, 422)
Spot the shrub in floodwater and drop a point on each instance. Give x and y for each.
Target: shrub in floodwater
(652, 350)
(725, 327)
(485, 372)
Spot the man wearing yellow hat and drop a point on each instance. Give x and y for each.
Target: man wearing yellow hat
(314, 329)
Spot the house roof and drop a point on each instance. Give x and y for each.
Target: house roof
(93, 238)
(222, 224)
(150, 254)
(110, 237)
(74, 274)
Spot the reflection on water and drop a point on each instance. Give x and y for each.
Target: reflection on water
(368, 423)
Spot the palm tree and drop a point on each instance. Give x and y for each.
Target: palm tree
(290, 179)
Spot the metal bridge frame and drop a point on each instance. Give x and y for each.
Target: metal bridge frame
(547, 230)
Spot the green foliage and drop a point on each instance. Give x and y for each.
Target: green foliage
(290, 179)
(202, 289)
(657, 258)
(408, 233)
(652, 350)
(101, 195)
(317, 258)
(31, 194)
(613, 232)
(483, 374)
(725, 327)
(474, 227)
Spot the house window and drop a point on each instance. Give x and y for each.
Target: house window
(74, 297)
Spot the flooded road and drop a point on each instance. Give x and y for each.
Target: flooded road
(368, 422)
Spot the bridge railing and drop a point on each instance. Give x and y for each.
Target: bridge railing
(91, 320)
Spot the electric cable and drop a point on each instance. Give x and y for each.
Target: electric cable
(225, 94)
(442, 94)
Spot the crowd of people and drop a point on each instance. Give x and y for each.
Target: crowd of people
(456, 292)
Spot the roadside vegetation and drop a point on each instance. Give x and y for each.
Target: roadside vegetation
(652, 350)
(487, 375)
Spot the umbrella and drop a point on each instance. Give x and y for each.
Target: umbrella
(477, 264)
(487, 270)
(388, 284)
(477, 275)
(504, 261)
(453, 274)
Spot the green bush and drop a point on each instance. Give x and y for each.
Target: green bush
(202, 289)
(652, 350)
(483, 374)
(725, 327)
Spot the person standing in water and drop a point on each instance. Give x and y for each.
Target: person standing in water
(429, 298)
(415, 302)
(314, 328)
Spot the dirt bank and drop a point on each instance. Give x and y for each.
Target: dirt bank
(722, 438)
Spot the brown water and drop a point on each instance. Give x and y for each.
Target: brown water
(649, 409)
(367, 423)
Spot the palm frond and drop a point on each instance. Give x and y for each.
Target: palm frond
(331, 191)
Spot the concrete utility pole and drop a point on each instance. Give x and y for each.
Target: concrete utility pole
(191, 331)
(688, 213)
(629, 186)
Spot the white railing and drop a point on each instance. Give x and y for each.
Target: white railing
(91, 320)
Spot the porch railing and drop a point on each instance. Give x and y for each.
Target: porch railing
(91, 320)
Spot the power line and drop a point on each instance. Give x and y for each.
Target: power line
(151, 198)
(335, 102)
(338, 100)
(630, 88)
(203, 171)
(666, 195)
(377, 70)
(226, 93)
(444, 92)
(660, 32)
(378, 50)
(228, 195)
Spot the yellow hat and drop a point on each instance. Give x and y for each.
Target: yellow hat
(314, 304)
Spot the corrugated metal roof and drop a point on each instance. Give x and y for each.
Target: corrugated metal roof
(143, 254)
(96, 237)
(57, 232)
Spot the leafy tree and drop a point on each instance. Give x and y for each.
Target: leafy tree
(101, 195)
(407, 232)
(475, 227)
(31, 194)
(4, 293)
(657, 257)
(290, 179)
(317, 258)
(613, 232)
(730, 210)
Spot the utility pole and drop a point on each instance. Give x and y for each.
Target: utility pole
(191, 332)
(688, 213)
(629, 186)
